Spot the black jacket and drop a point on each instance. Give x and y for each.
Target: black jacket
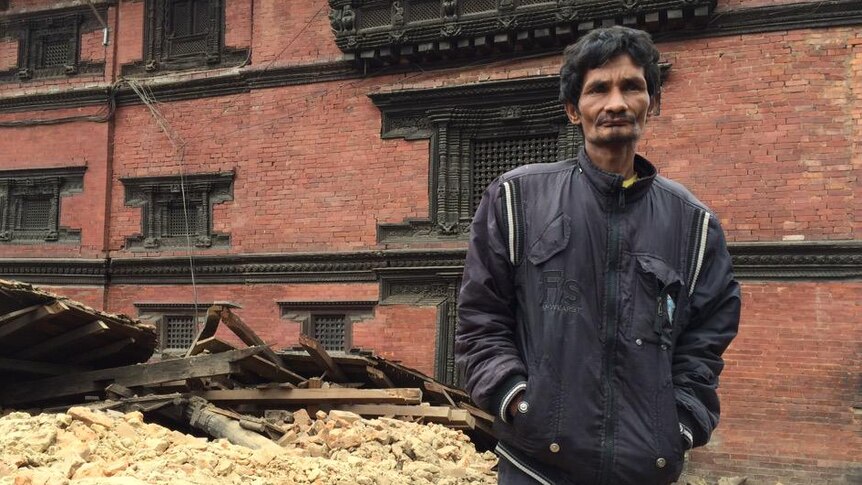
(609, 307)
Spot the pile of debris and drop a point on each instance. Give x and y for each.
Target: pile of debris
(83, 446)
(304, 416)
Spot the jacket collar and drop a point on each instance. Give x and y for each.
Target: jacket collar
(611, 184)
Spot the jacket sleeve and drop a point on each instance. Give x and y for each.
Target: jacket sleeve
(713, 323)
(485, 349)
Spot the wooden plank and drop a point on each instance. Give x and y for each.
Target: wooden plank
(209, 328)
(264, 368)
(246, 334)
(64, 339)
(102, 352)
(430, 414)
(19, 320)
(332, 396)
(129, 376)
(38, 368)
(378, 377)
(322, 358)
(476, 412)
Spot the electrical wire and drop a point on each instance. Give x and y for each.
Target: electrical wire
(149, 100)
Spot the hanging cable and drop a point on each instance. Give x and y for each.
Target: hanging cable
(149, 100)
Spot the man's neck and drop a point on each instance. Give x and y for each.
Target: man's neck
(614, 159)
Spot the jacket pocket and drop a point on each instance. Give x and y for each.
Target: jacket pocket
(655, 297)
(553, 239)
(532, 428)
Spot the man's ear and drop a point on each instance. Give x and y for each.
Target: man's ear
(653, 106)
(572, 113)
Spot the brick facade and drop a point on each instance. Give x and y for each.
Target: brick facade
(764, 127)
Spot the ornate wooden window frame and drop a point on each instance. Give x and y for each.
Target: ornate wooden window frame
(157, 41)
(32, 29)
(305, 313)
(154, 195)
(52, 184)
(453, 118)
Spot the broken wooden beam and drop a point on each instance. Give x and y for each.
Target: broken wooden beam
(129, 376)
(38, 368)
(432, 414)
(18, 320)
(218, 424)
(322, 358)
(339, 395)
(246, 334)
(378, 377)
(209, 329)
(255, 364)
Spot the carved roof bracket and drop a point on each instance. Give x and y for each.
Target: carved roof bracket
(394, 31)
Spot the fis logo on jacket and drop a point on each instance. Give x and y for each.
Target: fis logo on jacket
(560, 294)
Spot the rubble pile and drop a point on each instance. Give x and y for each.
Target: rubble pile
(86, 447)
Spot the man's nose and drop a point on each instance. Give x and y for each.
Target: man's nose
(616, 102)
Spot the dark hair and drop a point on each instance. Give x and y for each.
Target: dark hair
(600, 46)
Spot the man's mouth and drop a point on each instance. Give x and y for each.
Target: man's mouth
(616, 123)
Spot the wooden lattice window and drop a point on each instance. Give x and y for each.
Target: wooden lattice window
(494, 157)
(330, 331)
(179, 222)
(178, 332)
(476, 6)
(30, 204)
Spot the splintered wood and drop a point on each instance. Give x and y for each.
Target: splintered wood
(295, 416)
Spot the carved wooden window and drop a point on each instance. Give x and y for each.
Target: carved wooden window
(328, 322)
(178, 211)
(49, 47)
(183, 33)
(30, 204)
(477, 133)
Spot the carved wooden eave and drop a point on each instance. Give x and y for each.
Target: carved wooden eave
(386, 31)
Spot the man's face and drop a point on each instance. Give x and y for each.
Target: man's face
(614, 103)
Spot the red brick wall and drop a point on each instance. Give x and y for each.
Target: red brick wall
(8, 53)
(129, 37)
(65, 145)
(762, 130)
(792, 376)
(312, 173)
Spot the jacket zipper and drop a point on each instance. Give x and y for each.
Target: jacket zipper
(610, 346)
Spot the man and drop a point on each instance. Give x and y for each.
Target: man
(597, 297)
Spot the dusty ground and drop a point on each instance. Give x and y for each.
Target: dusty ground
(83, 447)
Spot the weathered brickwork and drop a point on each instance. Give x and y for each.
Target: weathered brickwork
(789, 386)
